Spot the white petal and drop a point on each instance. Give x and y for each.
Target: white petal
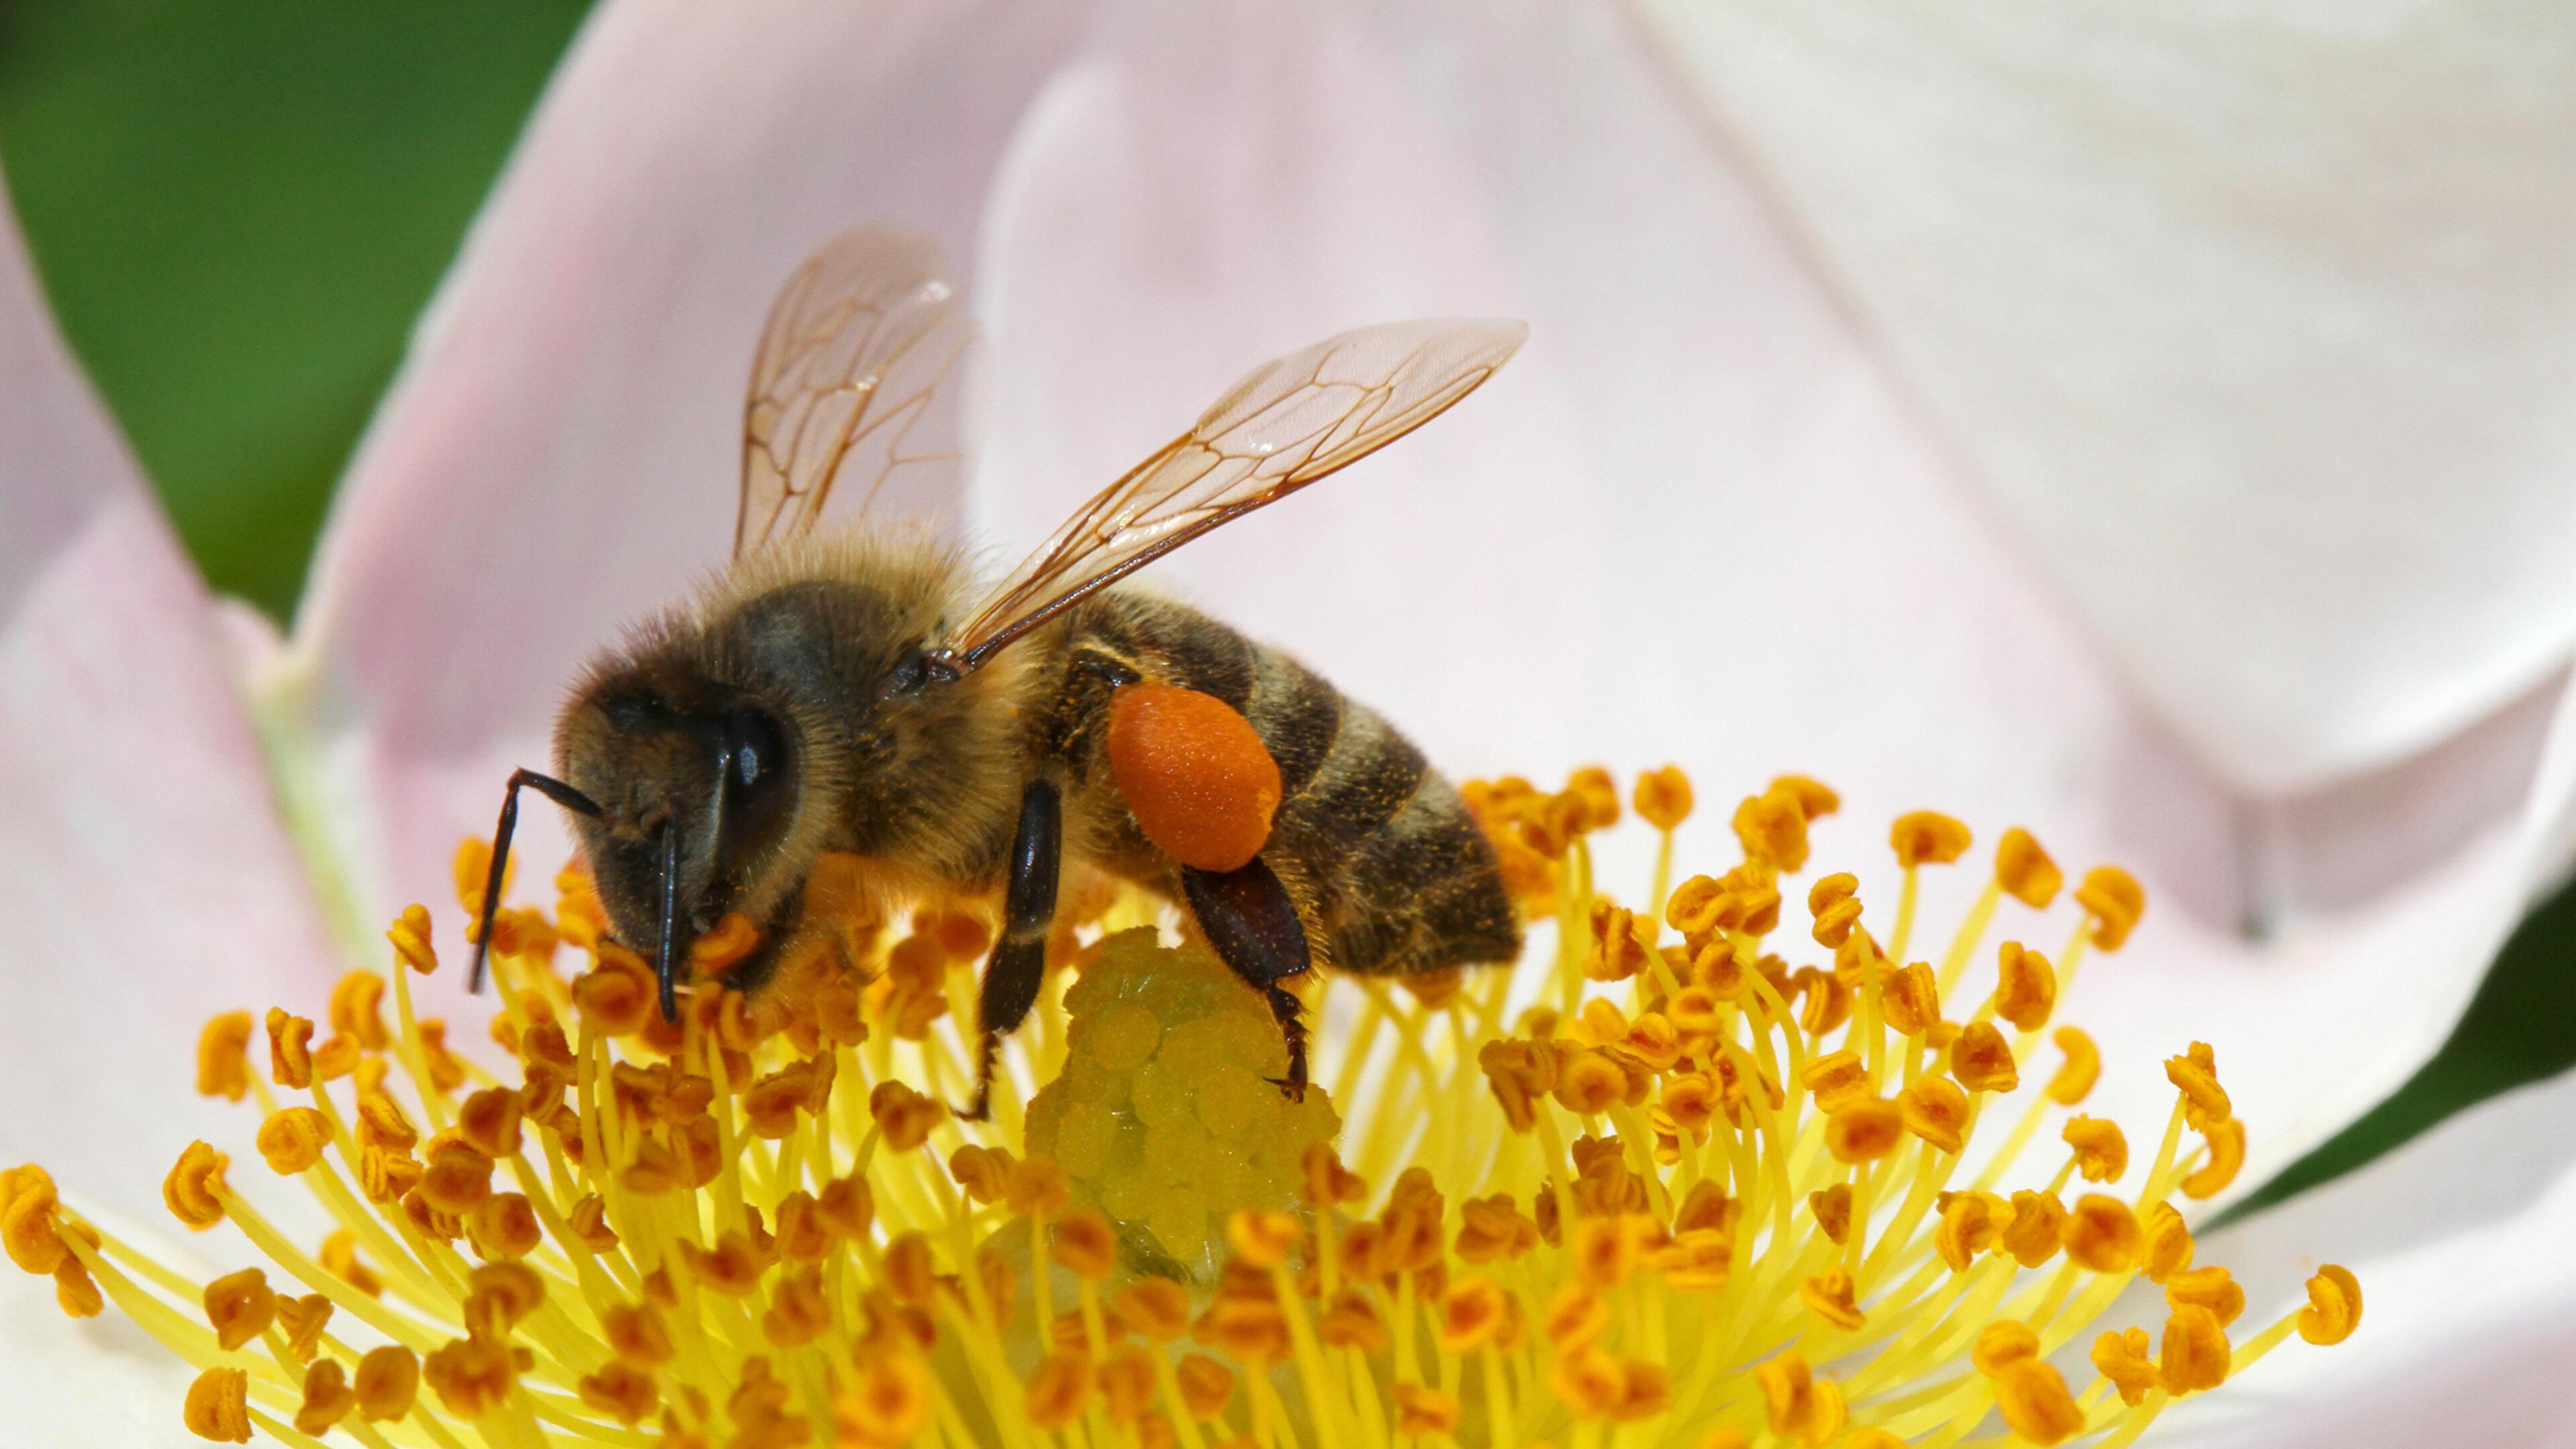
(147, 882)
(98, 1383)
(560, 454)
(2460, 1242)
(2260, 326)
(1693, 520)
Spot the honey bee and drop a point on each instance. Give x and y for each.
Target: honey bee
(855, 690)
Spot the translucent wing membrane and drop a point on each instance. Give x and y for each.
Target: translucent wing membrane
(1290, 422)
(845, 389)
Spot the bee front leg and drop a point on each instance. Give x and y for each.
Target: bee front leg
(1018, 966)
(1252, 923)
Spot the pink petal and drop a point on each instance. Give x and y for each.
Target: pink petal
(2278, 304)
(1692, 520)
(148, 882)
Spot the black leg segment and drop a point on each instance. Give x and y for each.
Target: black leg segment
(1253, 925)
(553, 789)
(1018, 966)
(666, 959)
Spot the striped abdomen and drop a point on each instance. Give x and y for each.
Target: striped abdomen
(1391, 873)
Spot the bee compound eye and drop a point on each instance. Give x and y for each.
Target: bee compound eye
(758, 781)
(756, 748)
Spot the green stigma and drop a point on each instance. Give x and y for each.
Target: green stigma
(1166, 1117)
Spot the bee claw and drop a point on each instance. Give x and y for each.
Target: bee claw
(1289, 1087)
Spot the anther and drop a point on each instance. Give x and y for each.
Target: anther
(1927, 837)
(223, 1057)
(2334, 1306)
(2026, 988)
(2101, 1151)
(218, 1406)
(2074, 1079)
(2226, 1158)
(2102, 1234)
(2213, 1288)
(2115, 900)
(2025, 872)
(1982, 1060)
(2196, 1074)
(1663, 797)
(2195, 1351)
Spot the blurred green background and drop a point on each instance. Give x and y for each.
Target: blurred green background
(238, 208)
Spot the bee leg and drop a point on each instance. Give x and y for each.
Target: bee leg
(1252, 923)
(553, 789)
(1018, 966)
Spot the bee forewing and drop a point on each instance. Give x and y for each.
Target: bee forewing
(846, 384)
(1286, 424)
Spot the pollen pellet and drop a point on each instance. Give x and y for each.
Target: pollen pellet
(1196, 776)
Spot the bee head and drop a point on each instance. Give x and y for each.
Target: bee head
(697, 786)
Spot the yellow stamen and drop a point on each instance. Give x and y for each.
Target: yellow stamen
(1647, 1213)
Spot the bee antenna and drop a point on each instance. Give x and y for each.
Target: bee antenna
(666, 963)
(553, 789)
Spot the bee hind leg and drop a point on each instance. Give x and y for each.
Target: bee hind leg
(1252, 923)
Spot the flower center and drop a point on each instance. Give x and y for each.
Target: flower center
(1698, 1193)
